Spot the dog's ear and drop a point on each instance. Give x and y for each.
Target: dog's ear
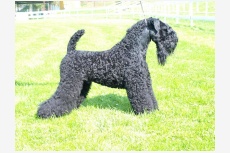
(153, 25)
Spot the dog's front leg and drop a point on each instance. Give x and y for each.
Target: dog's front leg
(150, 90)
(138, 93)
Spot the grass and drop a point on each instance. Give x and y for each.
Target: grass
(184, 88)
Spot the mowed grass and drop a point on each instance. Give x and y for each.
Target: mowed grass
(184, 88)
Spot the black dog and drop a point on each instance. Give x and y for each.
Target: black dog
(123, 66)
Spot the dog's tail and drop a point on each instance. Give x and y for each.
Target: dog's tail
(74, 39)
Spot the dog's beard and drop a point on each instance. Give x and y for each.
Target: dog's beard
(166, 47)
(161, 53)
(170, 42)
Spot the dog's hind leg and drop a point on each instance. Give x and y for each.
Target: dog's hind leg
(63, 101)
(84, 92)
(67, 94)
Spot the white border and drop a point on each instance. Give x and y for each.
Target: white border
(7, 58)
(222, 77)
(7, 76)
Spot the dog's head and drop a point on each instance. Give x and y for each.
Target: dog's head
(164, 36)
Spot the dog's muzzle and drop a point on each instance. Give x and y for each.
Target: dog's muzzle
(165, 46)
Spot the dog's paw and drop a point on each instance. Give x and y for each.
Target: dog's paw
(44, 111)
(53, 108)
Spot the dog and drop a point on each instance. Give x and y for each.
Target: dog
(123, 66)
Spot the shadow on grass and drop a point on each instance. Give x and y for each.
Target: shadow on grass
(110, 101)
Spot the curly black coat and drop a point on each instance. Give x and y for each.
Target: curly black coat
(123, 66)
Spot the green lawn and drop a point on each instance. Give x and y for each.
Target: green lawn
(184, 88)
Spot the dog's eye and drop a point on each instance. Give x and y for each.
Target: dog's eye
(164, 32)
